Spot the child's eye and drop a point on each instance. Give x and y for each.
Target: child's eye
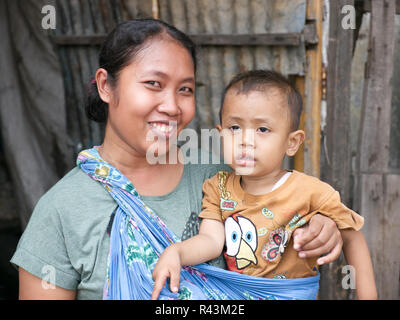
(263, 129)
(234, 128)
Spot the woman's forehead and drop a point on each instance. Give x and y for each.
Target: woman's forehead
(163, 53)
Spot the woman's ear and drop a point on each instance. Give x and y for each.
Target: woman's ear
(102, 85)
(296, 138)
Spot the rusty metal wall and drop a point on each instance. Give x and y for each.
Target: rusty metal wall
(216, 64)
(79, 63)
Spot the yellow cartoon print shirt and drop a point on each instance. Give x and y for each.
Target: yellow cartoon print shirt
(258, 228)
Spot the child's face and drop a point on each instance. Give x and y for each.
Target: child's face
(256, 132)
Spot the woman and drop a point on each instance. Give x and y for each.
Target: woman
(144, 91)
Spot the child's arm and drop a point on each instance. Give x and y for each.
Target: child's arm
(357, 255)
(205, 246)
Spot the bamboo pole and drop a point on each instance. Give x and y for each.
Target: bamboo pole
(155, 9)
(308, 159)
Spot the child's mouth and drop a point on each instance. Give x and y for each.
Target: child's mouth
(245, 161)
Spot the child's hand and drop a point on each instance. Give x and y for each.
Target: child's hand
(168, 266)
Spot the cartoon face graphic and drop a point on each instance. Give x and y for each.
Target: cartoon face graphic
(241, 242)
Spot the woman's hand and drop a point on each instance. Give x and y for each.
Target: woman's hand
(318, 237)
(168, 266)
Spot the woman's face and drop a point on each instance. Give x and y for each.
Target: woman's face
(154, 97)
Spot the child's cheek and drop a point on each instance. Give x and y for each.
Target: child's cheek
(228, 148)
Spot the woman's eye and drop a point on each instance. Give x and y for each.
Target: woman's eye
(263, 129)
(154, 83)
(186, 90)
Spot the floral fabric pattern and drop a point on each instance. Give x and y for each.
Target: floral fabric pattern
(138, 237)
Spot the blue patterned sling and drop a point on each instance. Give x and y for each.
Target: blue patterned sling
(138, 237)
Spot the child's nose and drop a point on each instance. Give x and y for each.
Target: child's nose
(248, 138)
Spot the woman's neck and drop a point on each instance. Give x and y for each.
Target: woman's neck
(148, 179)
(121, 157)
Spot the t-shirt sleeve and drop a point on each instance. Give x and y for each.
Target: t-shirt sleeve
(344, 217)
(211, 199)
(42, 251)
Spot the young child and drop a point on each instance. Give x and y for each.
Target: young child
(255, 208)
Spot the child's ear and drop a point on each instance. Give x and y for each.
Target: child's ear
(219, 128)
(296, 138)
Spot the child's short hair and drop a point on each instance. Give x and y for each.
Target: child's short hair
(260, 80)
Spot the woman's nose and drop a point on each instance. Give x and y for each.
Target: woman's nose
(169, 105)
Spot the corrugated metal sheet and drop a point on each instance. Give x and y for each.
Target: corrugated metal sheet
(216, 65)
(79, 63)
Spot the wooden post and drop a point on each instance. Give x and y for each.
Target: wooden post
(308, 161)
(155, 9)
(337, 162)
(378, 189)
(298, 161)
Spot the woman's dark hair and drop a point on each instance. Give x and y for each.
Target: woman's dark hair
(118, 50)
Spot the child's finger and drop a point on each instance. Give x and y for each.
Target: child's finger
(158, 285)
(174, 281)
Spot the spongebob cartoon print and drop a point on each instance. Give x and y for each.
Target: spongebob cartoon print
(241, 242)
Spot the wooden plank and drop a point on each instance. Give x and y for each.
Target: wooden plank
(367, 5)
(155, 8)
(298, 161)
(309, 36)
(388, 274)
(313, 94)
(378, 191)
(337, 169)
(380, 207)
(278, 39)
(371, 208)
(377, 97)
(336, 164)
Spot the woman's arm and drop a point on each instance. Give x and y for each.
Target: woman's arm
(205, 246)
(318, 237)
(356, 252)
(31, 288)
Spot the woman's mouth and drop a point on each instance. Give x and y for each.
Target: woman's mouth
(163, 129)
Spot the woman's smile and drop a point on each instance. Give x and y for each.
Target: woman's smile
(165, 129)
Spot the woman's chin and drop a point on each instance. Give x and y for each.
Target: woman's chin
(162, 153)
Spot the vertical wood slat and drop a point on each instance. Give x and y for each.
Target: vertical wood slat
(378, 191)
(337, 171)
(312, 95)
(337, 167)
(375, 122)
(390, 283)
(380, 206)
(298, 159)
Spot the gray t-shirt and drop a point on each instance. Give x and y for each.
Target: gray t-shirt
(67, 240)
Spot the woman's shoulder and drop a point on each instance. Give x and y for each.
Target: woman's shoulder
(74, 183)
(75, 192)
